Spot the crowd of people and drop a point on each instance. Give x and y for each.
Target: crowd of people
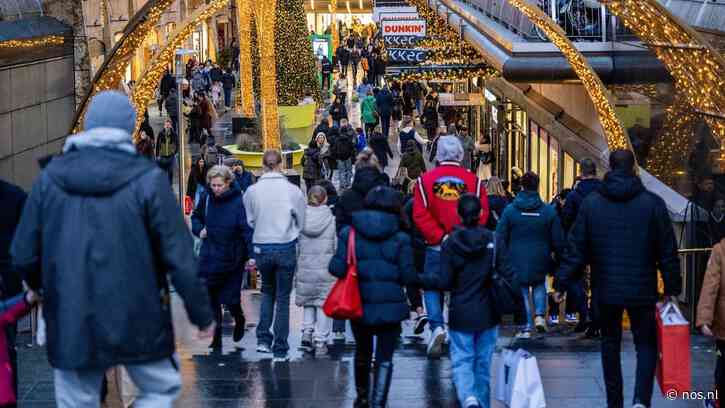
(101, 217)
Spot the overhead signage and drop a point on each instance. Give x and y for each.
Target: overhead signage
(407, 55)
(489, 95)
(379, 11)
(410, 28)
(401, 41)
(398, 16)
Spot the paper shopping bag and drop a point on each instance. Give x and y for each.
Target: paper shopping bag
(518, 381)
(673, 343)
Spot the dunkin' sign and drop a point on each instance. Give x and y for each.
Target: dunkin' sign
(412, 28)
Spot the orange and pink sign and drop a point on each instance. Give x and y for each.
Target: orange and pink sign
(412, 28)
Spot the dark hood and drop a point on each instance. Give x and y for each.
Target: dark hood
(96, 171)
(470, 242)
(375, 225)
(233, 191)
(366, 179)
(528, 200)
(587, 186)
(620, 186)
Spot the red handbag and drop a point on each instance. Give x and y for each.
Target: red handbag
(188, 205)
(673, 338)
(343, 302)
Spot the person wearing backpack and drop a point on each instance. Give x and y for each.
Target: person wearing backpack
(469, 258)
(343, 151)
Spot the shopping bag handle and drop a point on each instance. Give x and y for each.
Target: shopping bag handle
(671, 307)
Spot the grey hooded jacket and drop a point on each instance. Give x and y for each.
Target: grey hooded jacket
(318, 242)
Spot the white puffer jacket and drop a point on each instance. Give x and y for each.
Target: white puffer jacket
(318, 242)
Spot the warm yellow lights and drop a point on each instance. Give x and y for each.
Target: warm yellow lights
(49, 41)
(143, 92)
(245, 97)
(265, 14)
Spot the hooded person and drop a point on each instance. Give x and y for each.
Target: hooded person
(351, 201)
(101, 231)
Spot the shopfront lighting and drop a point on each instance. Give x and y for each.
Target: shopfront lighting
(312, 5)
(361, 5)
(245, 96)
(49, 41)
(348, 7)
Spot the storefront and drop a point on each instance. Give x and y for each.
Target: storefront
(520, 142)
(320, 22)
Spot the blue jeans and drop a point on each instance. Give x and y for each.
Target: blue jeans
(228, 97)
(578, 296)
(277, 264)
(344, 173)
(433, 299)
(199, 192)
(539, 295)
(471, 354)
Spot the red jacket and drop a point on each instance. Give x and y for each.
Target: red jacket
(435, 207)
(11, 311)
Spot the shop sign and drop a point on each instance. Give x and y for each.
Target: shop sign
(489, 95)
(401, 40)
(407, 55)
(411, 28)
(398, 16)
(494, 114)
(381, 13)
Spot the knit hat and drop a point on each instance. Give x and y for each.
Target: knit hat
(111, 109)
(449, 149)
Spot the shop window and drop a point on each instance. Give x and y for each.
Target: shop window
(569, 171)
(534, 132)
(553, 168)
(543, 164)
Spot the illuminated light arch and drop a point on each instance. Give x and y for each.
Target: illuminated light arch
(112, 71)
(143, 92)
(614, 132)
(696, 67)
(245, 98)
(265, 17)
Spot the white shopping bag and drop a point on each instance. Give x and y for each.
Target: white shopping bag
(40, 329)
(185, 333)
(518, 381)
(127, 388)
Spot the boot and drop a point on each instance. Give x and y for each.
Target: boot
(216, 343)
(239, 322)
(362, 383)
(383, 376)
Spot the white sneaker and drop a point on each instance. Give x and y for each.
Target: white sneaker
(571, 318)
(524, 334)
(639, 406)
(435, 346)
(263, 348)
(338, 336)
(471, 402)
(281, 359)
(540, 324)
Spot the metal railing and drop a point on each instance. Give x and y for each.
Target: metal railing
(582, 20)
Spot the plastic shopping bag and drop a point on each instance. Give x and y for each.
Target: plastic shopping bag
(518, 381)
(40, 329)
(673, 344)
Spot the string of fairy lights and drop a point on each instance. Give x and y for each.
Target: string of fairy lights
(245, 96)
(265, 16)
(47, 41)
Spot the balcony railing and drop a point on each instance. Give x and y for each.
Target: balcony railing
(582, 20)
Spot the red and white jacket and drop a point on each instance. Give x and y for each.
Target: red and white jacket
(435, 206)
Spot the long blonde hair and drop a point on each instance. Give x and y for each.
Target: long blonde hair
(495, 187)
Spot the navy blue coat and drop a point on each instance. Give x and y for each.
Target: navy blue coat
(244, 180)
(574, 201)
(13, 199)
(385, 265)
(496, 204)
(624, 232)
(225, 248)
(531, 232)
(466, 270)
(384, 101)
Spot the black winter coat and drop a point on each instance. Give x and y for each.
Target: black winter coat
(100, 232)
(384, 101)
(385, 266)
(496, 204)
(311, 164)
(352, 200)
(467, 262)
(13, 199)
(379, 143)
(338, 111)
(167, 84)
(342, 145)
(625, 234)
(196, 176)
(228, 81)
(225, 248)
(574, 201)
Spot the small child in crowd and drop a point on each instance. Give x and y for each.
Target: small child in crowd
(318, 242)
(11, 310)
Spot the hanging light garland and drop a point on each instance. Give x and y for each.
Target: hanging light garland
(48, 41)
(443, 73)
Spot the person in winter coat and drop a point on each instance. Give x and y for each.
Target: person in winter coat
(342, 57)
(531, 232)
(228, 82)
(11, 310)
(469, 258)
(434, 212)
(172, 107)
(429, 118)
(379, 143)
(711, 310)
(13, 199)
(243, 177)
(414, 292)
(276, 211)
(351, 200)
(312, 162)
(413, 160)
(167, 84)
(318, 242)
(166, 148)
(384, 102)
(407, 133)
(497, 201)
(342, 149)
(625, 234)
(363, 89)
(369, 111)
(326, 72)
(145, 146)
(338, 111)
(220, 222)
(469, 146)
(196, 184)
(385, 267)
(101, 232)
(355, 57)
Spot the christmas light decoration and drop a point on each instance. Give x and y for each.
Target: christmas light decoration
(148, 82)
(49, 41)
(265, 14)
(697, 68)
(445, 73)
(245, 96)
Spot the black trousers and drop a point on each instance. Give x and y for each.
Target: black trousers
(644, 330)
(387, 336)
(720, 368)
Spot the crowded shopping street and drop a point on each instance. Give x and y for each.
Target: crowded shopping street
(366, 203)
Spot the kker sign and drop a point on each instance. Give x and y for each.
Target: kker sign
(410, 28)
(401, 40)
(407, 55)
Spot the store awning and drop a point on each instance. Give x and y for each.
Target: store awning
(677, 204)
(460, 99)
